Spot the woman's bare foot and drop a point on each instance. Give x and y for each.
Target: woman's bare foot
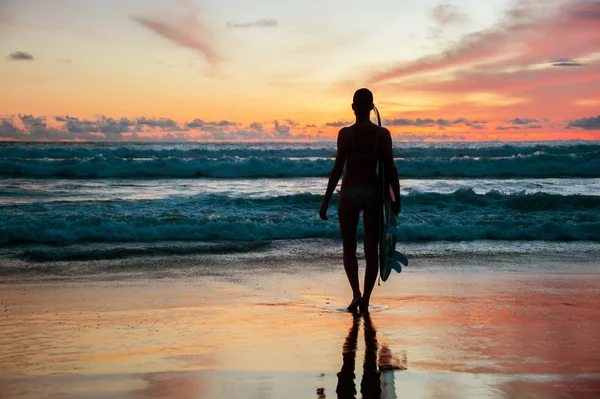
(353, 307)
(363, 306)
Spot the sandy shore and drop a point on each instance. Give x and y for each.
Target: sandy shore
(259, 333)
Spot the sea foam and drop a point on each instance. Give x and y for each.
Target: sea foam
(459, 216)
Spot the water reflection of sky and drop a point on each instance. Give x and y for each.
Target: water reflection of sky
(274, 335)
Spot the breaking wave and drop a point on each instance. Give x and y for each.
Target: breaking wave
(459, 216)
(534, 165)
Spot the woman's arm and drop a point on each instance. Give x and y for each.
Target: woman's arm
(391, 173)
(336, 173)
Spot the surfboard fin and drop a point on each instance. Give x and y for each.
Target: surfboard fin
(400, 257)
(395, 266)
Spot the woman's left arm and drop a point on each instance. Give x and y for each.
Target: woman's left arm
(336, 173)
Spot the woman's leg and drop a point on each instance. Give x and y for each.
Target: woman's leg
(371, 222)
(348, 212)
(370, 385)
(346, 388)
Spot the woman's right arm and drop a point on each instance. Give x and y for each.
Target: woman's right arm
(391, 173)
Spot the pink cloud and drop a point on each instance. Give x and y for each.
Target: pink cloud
(542, 61)
(532, 32)
(510, 83)
(185, 28)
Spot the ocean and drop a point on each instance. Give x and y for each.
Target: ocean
(64, 203)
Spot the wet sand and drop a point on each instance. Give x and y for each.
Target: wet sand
(259, 333)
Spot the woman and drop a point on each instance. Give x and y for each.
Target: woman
(360, 147)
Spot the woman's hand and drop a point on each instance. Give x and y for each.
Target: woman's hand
(323, 211)
(396, 207)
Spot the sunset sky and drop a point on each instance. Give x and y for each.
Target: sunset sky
(286, 70)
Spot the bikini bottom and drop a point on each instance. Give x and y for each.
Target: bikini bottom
(361, 196)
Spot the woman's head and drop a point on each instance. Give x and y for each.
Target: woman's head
(362, 102)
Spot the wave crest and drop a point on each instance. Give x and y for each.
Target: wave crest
(460, 216)
(536, 165)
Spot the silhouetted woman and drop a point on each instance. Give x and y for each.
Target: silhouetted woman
(360, 147)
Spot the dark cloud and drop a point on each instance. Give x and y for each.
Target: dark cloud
(281, 130)
(102, 128)
(195, 124)
(508, 128)
(533, 126)
(108, 128)
(32, 121)
(338, 124)
(8, 129)
(409, 122)
(20, 56)
(466, 122)
(200, 124)
(225, 123)
(259, 23)
(36, 129)
(75, 125)
(163, 123)
(562, 60)
(448, 14)
(566, 62)
(522, 121)
(592, 123)
(428, 122)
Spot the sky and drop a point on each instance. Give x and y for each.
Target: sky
(212, 70)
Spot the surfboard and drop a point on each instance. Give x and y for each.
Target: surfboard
(389, 258)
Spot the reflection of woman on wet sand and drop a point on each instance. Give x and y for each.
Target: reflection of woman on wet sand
(370, 385)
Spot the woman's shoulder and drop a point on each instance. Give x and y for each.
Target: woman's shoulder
(345, 132)
(385, 136)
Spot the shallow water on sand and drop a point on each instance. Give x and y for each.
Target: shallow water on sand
(249, 333)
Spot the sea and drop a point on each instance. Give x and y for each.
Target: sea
(65, 204)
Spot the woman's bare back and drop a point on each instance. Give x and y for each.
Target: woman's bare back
(363, 144)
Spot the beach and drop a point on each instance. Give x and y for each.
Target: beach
(268, 329)
(177, 179)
